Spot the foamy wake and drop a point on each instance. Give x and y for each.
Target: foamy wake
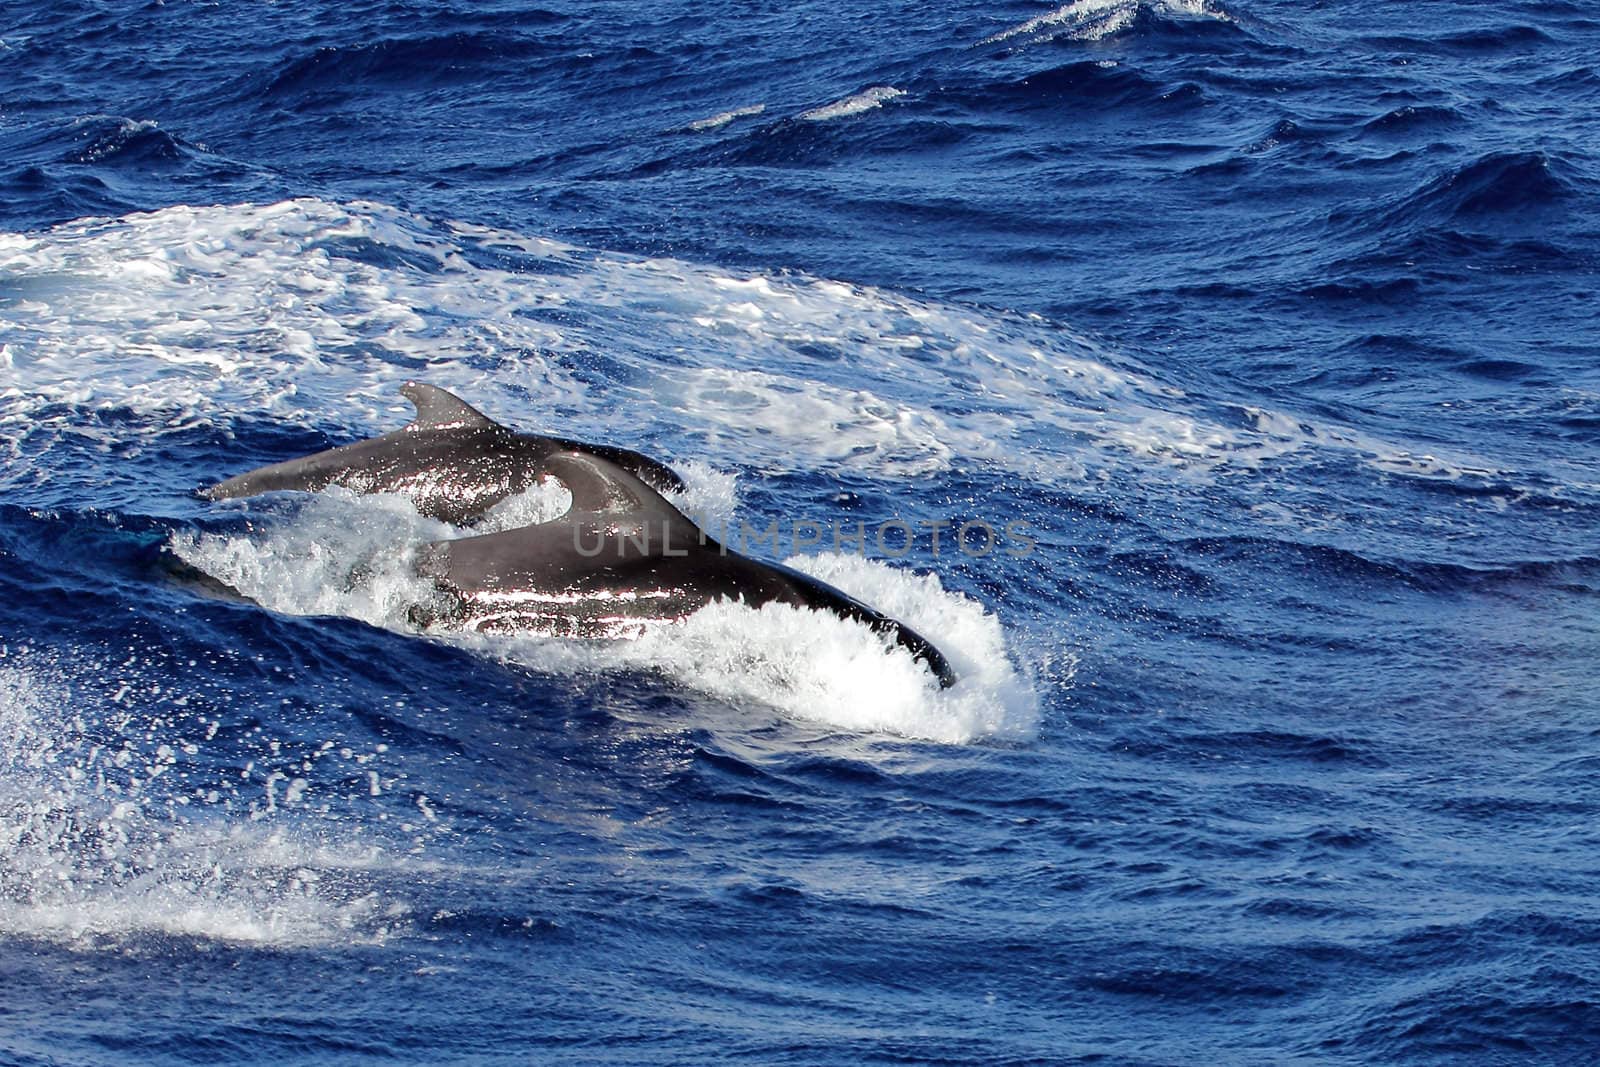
(338, 554)
(114, 823)
(212, 316)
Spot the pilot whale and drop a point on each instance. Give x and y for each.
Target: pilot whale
(452, 461)
(621, 559)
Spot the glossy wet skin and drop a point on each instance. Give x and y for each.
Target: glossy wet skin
(620, 561)
(452, 462)
(451, 475)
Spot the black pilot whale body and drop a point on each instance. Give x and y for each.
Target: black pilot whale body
(452, 461)
(621, 559)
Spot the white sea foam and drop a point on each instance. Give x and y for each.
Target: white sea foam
(347, 555)
(125, 829)
(906, 440)
(211, 316)
(1093, 20)
(542, 502)
(855, 104)
(815, 666)
(339, 554)
(722, 118)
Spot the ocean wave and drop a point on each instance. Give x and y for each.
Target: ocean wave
(722, 118)
(1081, 84)
(1344, 568)
(1476, 41)
(108, 139)
(423, 60)
(1501, 183)
(855, 104)
(1470, 212)
(795, 143)
(1093, 20)
(1414, 120)
(1293, 705)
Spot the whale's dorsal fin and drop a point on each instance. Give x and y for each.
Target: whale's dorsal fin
(441, 410)
(600, 487)
(615, 520)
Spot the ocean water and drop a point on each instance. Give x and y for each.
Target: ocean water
(1261, 334)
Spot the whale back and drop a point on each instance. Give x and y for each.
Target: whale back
(451, 460)
(624, 550)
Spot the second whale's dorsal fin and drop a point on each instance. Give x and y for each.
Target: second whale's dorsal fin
(600, 487)
(441, 410)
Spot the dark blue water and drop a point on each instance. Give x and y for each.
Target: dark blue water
(1271, 324)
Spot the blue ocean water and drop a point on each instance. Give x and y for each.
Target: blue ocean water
(1271, 324)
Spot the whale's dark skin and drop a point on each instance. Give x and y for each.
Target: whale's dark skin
(621, 559)
(453, 462)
